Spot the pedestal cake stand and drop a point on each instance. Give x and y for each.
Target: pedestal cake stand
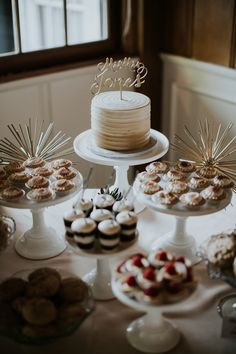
(178, 241)
(99, 279)
(41, 241)
(149, 333)
(85, 148)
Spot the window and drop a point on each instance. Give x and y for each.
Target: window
(40, 33)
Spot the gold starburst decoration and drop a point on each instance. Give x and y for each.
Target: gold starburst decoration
(31, 140)
(212, 146)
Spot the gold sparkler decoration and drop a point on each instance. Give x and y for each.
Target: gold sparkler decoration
(30, 140)
(213, 146)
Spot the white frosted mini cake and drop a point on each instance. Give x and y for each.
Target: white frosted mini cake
(120, 124)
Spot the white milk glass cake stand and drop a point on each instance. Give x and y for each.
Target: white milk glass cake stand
(41, 241)
(149, 333)
(85, 148)
(178, 241)
(99, 279)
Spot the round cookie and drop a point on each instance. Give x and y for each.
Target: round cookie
(12, 288)
(73, 289)
(43, 282)
(70, 314)
(39, 311)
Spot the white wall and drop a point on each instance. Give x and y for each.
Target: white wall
(193, 90)
(61, 97)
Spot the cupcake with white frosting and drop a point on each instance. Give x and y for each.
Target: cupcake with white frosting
(84, 230)
(128, 223)
(104, 201)
(86, 205)
(109, 234)
(121, 205)
(99, 215)
(68, 218)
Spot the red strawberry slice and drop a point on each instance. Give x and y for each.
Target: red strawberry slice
(131, 281)
(162, 256)
(180, 259)
(170, 268)
(149, 273)
(137, 261)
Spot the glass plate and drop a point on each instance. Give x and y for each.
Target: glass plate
(13, 326)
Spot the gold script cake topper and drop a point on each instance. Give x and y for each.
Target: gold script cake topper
(110, 72)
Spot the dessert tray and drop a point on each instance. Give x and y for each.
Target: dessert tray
(21, 325)
(178, 240)
(149, 333)
(41, 241)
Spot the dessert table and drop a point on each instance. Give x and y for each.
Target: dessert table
(104, 331)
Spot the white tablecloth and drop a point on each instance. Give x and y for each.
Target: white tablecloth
(104, 331)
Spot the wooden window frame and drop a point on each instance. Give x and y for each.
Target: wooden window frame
(46, 60)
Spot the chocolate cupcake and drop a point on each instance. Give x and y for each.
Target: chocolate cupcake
(122, 205)
(104, 201)
(86, 205)
(109, 234)
(128, 223)
(84, 230)
(70, 216)
(99, 215)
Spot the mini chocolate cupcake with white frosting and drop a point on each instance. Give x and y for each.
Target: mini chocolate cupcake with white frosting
(84, 230)
(99, 215)
(104, 201)
(128, 223)
(109, 234)
(122, 205)
(86, 205)
(70, 216)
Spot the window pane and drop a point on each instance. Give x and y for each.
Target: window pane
(7, 43)
(86, 21)
(41, 24)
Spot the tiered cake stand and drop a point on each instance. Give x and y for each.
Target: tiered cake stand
(149, 333)
(178, 241)
(85, 148)
(41, 241)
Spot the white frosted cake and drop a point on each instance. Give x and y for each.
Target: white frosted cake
(120, 124)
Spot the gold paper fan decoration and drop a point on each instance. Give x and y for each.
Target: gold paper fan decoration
(212, 146)
(31, 140)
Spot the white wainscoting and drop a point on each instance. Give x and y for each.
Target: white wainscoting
(60, 97)
(194, 90)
